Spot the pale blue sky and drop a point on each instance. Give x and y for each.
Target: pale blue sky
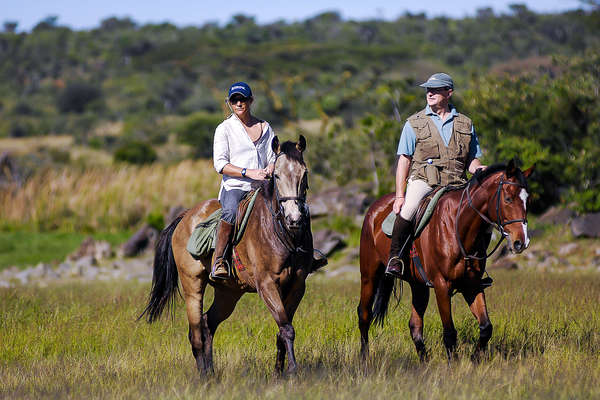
(82, 14)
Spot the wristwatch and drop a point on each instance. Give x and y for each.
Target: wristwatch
(244, 172)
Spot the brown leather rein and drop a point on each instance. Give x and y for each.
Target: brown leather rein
(498, 224)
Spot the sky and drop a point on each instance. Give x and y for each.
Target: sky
(81, 14)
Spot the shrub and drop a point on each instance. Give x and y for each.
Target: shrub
(77, 96)
(198, 130)
(135, 152)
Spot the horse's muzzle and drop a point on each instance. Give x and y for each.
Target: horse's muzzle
(518, 246)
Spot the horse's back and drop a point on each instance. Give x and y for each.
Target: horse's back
(184, 230)
(374, 244)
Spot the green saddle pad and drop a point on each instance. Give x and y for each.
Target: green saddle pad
(388, 223)
(202, 240)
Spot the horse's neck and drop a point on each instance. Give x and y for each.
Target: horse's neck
(470, 222)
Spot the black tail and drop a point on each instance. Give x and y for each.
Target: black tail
(164, 278)
(384, 290)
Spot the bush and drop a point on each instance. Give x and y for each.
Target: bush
(77, 96)
(135, 152)
(198, 130)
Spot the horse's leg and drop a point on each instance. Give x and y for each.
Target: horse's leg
(420, 300)
(476, 301)
(368, 282)
(268, 290)
(221, 308)
(291, 302)
(194, 296)
(442, 295)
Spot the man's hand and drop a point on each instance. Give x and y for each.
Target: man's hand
(398, 202)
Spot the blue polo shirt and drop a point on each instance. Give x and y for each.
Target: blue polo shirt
(406, 146)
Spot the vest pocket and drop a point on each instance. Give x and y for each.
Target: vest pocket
(432, 173)
(427, 150)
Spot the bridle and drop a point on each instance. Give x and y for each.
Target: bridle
(292, 241)
(497, 224)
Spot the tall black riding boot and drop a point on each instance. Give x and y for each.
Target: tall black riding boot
(400, 238)
(219, 268)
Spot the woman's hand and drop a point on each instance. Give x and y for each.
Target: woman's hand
(269, 169)
(256, 174)
(398, 202)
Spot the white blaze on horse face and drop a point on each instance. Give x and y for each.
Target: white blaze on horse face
(288, 187)
(523, 195)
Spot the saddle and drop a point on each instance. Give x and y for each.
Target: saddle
(422, 216)
(202, 240)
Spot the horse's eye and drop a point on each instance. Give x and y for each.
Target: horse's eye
(508, 200)
(275, 176)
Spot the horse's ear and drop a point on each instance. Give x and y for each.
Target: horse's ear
(511, 168)
(301, 145)
(528, 171)
(275, 145)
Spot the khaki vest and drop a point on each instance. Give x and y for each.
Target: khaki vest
(433, 161)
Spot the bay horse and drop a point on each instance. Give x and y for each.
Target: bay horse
(452, 250)
(275, 254)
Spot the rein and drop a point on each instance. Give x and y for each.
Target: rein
(498, 224)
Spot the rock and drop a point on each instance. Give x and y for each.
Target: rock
(567, 249)
(504, 263)
(348, 201)
(587, 225)
(86, 262)
(143, 239)
(90, 247)
(556, 216)
(24, 275)
(327, 241)
(173, 213)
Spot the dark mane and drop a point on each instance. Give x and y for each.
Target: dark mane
(481, 176)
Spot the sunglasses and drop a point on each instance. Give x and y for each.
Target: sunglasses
(438, 90)
(235, 99)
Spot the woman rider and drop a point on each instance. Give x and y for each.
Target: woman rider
(242, 154)
(437, 146)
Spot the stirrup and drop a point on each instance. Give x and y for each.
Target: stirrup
(394, 274)
(220, 277)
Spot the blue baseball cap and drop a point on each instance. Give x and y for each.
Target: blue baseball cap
(240, 88)
(439, 80)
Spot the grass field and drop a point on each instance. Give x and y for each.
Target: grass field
(80, 341)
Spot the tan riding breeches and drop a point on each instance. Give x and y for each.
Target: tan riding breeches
(415, 191)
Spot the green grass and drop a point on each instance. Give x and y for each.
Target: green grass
(22, 248)
(80, 341)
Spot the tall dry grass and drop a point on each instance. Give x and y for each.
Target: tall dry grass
(106, 198)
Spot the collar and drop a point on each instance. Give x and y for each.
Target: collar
(453, 110)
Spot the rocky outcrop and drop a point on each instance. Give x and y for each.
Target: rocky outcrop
(587, 225)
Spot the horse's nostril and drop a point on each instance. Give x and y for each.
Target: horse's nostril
(518, 245)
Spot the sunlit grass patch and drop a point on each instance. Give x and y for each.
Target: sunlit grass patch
(82, 340)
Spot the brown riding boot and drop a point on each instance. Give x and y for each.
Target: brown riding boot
(219, 269)
(400, 238)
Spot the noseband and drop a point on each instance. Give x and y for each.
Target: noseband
(498, 224)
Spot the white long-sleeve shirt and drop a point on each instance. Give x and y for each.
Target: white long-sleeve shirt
(232, 145)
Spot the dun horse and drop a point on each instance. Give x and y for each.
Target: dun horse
(275, 252)
(452, 250)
